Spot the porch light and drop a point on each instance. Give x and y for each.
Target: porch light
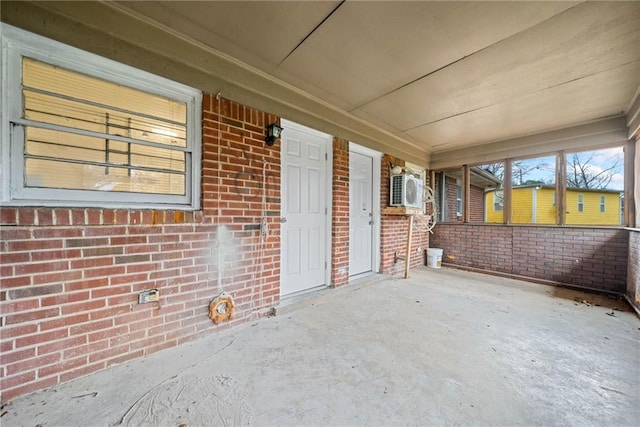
(273, 133)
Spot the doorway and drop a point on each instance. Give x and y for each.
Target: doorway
(364, 210)
(305, 242)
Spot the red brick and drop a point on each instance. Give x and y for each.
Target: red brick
(85, 349)
(86, 284)
(12, 233)
(110, 312)
(26, 216)
(9, 394)
(13, 319)
(61, 367)
(105, 271)
(83, 306)
(34, 291)
(34, 245)
(8, 216)
(16, 331)
(9, 382)
(41, 338)
(60, 345)
(108, 333)
(64, 322)
(90, 327)
(17, 306)
(56, 233)
(56, 277)
(32, 364)
(18, 355)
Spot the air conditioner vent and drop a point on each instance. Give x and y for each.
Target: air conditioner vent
(406, 190)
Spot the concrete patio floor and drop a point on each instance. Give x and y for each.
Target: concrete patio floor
(444, 347)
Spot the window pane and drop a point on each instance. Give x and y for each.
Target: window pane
(70, 160)
(533, 191)
(55, 174)
(448, 198)
(595, 184)
(49, 109)
(487, 196)
(61, 160)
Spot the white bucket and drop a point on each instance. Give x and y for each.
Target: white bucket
(434, 257)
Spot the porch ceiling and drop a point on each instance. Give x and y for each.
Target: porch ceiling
(442, 74)
(438, 76)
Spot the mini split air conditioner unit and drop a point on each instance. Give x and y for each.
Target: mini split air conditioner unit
(406, 190)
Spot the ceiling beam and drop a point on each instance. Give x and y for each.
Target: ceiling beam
(595, 134)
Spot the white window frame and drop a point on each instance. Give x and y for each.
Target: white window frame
(459, 193)
(17, 43)
(580, 203)
(498, 201)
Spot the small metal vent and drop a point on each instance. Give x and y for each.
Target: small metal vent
(397, 182)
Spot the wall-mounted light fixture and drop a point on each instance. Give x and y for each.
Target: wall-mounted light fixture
(273, 133)
(395, 170)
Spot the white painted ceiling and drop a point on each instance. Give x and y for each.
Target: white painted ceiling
(442, 75)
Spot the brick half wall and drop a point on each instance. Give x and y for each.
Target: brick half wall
(585, 257)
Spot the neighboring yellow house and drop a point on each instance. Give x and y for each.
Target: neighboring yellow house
(535, 204)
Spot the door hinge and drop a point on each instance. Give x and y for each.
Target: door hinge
(326, 156)
(326, 211)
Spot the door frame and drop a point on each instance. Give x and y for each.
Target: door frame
(376, 157)
(287, 124)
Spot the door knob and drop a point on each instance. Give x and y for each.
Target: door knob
(283, 220)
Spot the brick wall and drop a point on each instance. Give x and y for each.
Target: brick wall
(340, 215)
(586, 257)
(633, 275)
(70, 277)
(393, 233)
(476, 204)
(451, 199)
(476, 201)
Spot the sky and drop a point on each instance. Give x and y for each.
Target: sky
(543, 168)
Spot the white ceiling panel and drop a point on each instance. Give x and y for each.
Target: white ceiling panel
(436, 75)
(545, 56)
(259, 33)
(528, 114)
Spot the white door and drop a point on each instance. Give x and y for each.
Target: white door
(361, 213)
(304, 236)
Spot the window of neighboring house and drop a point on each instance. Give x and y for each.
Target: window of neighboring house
(533, 190)
(595, 179)
(459, 198)
(81, 130)
(487, 192)
(580, 203)
(498, 201)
